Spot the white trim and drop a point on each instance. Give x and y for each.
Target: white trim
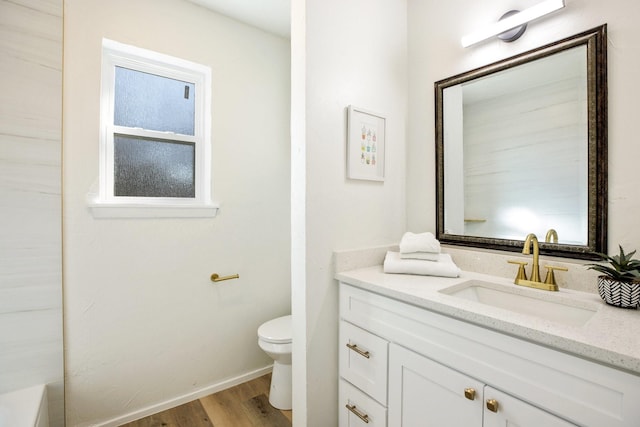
(180, 400)
(121, 210)
(106, 204)
(144, 133)
(149, 56)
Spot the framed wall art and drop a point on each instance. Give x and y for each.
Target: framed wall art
(365, 144)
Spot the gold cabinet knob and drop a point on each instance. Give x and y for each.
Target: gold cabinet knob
(470, 393)
(492, 405)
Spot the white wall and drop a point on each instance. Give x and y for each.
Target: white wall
(343, 53)
(433, 58)
(144, 324)
(30, 200)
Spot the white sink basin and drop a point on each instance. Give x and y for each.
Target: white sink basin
(544, 304)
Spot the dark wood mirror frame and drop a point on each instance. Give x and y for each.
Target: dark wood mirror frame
(596, 43)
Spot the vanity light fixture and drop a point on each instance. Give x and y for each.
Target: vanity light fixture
(513, 23)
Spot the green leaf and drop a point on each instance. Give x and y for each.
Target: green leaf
(621, 266)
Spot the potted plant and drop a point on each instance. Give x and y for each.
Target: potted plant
(620, 283)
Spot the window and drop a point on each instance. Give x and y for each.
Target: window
(155, 143)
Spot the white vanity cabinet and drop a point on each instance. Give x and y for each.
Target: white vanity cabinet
(403, 365)
(421, 389)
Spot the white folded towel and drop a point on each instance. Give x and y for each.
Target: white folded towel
(444, 267)
(426, 256)
(419, 242)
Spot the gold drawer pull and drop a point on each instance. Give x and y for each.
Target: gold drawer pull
(470, 393)
(363, 417)
(358, 350)
(492, 405)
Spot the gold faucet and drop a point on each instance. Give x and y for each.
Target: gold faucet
(551, 234)
(532, 240)
(521, 278)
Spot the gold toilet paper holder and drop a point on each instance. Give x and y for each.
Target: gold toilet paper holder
(215, 277)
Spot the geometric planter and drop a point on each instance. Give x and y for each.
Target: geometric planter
(619, 294)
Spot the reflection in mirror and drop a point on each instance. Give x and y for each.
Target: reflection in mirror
(521, 148)
(523, 138)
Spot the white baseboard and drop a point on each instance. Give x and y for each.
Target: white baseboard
(185, 398)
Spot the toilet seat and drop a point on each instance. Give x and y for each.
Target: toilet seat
(276, 331)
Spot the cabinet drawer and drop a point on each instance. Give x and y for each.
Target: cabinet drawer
(363, 360)
(359, 410)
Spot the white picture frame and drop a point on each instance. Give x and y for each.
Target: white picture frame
(366, 138)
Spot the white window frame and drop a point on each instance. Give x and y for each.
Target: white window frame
(105, 203)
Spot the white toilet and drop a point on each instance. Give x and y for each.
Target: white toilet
(274, 337)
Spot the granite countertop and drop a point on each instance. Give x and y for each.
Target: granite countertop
(608, 337)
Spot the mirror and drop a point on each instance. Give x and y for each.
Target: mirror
(521, 147)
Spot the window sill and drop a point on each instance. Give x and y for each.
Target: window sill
(122, 210)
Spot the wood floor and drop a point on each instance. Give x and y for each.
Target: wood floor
(245, 405)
